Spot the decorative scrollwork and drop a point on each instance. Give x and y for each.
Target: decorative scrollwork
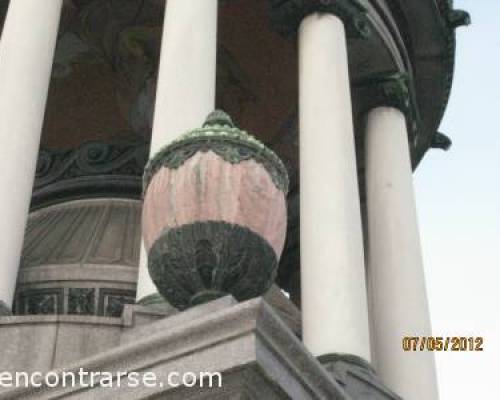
(95, 169)
(93, 158)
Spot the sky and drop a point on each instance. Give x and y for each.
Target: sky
(458, 200)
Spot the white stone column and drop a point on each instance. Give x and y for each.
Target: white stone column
(398, 301)
(26, 57)
(186, 83)
(334, 303)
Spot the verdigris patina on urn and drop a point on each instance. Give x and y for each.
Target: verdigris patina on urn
(214, 215)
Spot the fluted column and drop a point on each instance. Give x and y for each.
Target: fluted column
(186, 83)
(395, 269)
(334, 303)
(26, 56)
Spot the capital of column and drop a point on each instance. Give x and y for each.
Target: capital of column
(286, 15)
(390, 90)
(393, 90)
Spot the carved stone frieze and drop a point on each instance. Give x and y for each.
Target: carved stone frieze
(93, 169)
(288, 14)
(40, 302)
(112, 301)
(93, 158)
(81, 301)
(105, 302)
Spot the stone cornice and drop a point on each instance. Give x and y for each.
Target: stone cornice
(453, 19)
(287, 14)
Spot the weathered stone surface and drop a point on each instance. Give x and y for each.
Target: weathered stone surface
(42, 342)
(207, 188)
(248, 343)
(214, 215)
(95, 169)
(131, 335)
(284, 307)
(27, 345)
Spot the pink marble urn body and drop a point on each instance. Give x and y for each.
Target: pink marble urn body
(214, 215)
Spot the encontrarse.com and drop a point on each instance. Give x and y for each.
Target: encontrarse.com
(88, 379)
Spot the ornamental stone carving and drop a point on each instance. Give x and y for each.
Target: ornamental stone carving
(214, 215)
(392, 90)
(95, 169)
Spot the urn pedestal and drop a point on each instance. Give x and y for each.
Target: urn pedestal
(214, 216)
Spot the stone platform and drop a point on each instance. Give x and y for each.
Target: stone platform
(258, 354)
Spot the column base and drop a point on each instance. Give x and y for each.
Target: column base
(5, 311)
(357, 377)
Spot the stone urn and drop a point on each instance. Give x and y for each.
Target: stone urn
(214, 215)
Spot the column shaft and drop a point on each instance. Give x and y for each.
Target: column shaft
(396, 277)
(26, 57)
(334, 304)
(186, 83)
